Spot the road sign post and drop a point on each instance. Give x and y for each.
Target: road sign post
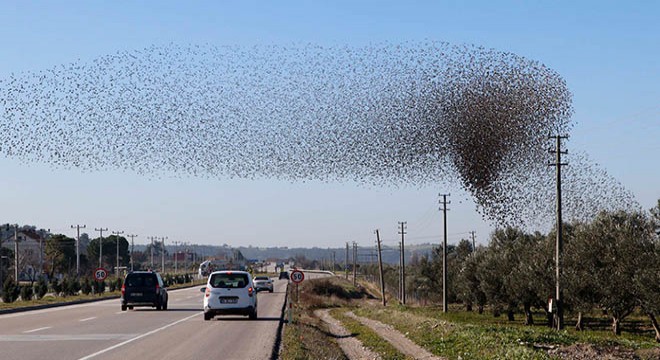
(297, 277)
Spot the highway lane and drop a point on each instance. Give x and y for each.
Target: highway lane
(100, 330)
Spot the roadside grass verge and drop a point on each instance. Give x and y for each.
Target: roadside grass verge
(307, 337)
(368, 337)
(471, 336)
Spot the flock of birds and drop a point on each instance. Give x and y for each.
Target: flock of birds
(389, 114)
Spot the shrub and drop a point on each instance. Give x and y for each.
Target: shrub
(99, 287)
(40, 288)
(86, 286)
(70, 286)
(112, 285)
(9, 291)
(26, 293)
(56, 286)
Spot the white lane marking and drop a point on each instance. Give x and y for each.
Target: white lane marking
(35, 330)
(59, 337)
(87, 319)
(138, 337)
(120, 312)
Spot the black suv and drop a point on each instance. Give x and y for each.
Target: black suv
(143, 288)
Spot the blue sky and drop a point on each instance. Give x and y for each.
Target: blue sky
(607, 51)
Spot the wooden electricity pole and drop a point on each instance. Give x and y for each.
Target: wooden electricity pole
(380, 268)
(558, 317)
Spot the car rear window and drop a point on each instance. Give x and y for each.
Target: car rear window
(141, 280)
(226, 280)
(261, 278)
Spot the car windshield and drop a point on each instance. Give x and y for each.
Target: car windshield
(229, 280)
(140, 280)
(261, 278)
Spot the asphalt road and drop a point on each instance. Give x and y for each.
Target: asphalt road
(100, 330)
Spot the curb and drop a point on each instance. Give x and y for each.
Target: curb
(275, 353)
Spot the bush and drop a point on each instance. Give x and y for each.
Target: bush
(40, 288)
(328, 288)
(9, 291)
(99, 287)
(112, 285)
(86, 286)
(26, 293)
(56, 286)
(70, 286)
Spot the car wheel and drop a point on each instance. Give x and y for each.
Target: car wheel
(270, 290)
(208, 316)
(253, 314)
(123, 308)
(158, 307)
(130, 308)
(165, 306)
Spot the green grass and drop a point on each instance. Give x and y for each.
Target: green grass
(368, 337)
(471, 336)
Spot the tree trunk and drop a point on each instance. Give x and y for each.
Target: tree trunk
(616, 325)
(480, 309)
(579, 325)
(549, 318)
(510, 315)
(468, 306)
(529, 319)
(654, 322)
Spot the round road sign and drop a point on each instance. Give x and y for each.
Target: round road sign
(297, 276)
(100, 274)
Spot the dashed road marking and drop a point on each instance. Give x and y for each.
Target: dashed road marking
(87, 319)
(35, 330)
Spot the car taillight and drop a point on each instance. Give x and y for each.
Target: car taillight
(157, 288)
(123, 290)
(250, 291)
(208, 292)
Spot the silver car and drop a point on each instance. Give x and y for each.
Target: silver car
(263, 283)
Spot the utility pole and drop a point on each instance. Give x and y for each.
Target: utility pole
(16, 253)
(162, 255)
(473, 246)
(132, 246)
(152, 251)
(346, 262)
(101, 230)
(77, 227)
(116, 234)
(403, 261)
(444, 209)
(354, 263)
(380, 267)
(334, 253)
(558, 318)
(176, 255)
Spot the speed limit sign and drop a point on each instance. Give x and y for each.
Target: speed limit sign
(100, 274)
(297, 276)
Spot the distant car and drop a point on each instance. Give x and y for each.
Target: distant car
(143, 288)
(284, 275)
(229, 293)
(263, 283)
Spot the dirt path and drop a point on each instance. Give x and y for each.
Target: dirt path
(351, 346)
(397, 339)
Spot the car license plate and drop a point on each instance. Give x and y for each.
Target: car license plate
(136, 294)
(228, 301)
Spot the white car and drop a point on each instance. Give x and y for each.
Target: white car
(229, 293)
(263, 283)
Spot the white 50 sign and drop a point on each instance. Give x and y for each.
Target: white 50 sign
(297, 276)
(100, 274)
